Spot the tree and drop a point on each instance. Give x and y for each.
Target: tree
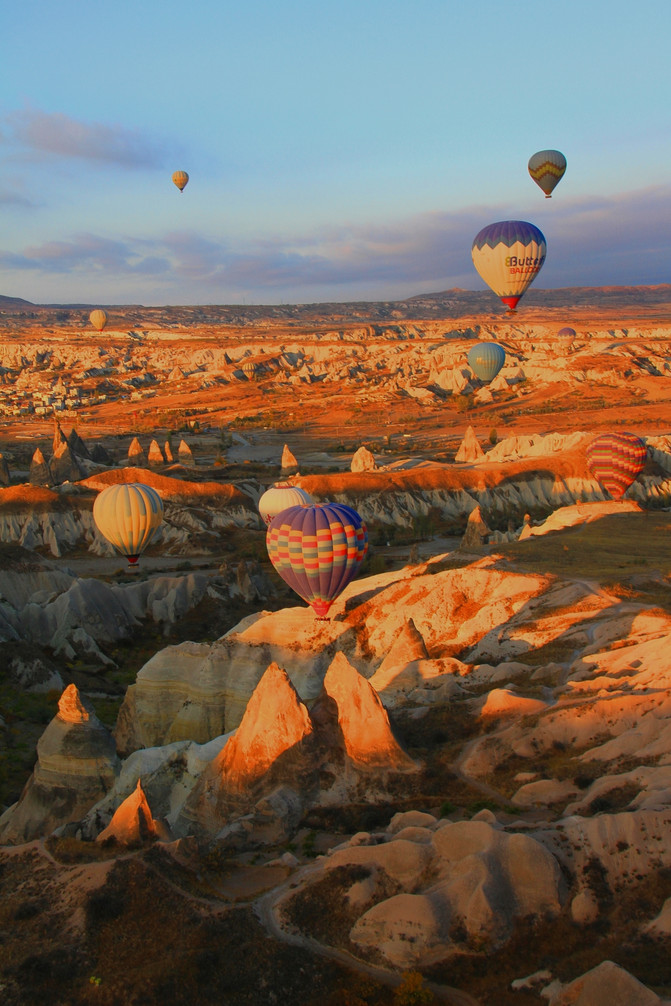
(412, 991)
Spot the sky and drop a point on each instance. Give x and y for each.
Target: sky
(336, 152)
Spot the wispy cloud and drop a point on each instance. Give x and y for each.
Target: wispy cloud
(615, 240)
(59, 135)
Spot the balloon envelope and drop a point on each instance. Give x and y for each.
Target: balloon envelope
(280, 497)
(547, 168)
(180, 178)
(128, 515)
(615, 459)
(509, 255)
(568, 332)
(317, 550)
(486, 359)
(98, 318)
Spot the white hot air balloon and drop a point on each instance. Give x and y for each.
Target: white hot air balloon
(128, 515)
(280, 497)
(509, 255)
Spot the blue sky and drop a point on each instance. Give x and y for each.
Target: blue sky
(336, 152)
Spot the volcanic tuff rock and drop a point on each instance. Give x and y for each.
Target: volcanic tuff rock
(470, 449)
(5, 477)
(288, 464)
(76, 765)
(40, 473)
(136, 455)
(280, 753)
(132, 823)
(363, 461)
(456, 882)
(606, 985)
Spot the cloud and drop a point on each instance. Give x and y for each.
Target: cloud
(10, 198)
(623, 239)
(62, 136)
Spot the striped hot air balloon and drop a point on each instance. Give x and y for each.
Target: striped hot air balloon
(547, 168)
(98, 318)
(128, 515)
(486, 359)
(280, 497)
(509, 255)
(615, 459)
(317, 550)
(181, 179)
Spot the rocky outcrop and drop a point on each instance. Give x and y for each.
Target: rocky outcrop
(76, 765)
(469, 450)
(64, 465)
(288, 464)
(40, 472)
(363, 461)
(185, 454)
(477, 533)
(155, 457)
(136, 455)
(132, 823)
(5, 477)
(606, 985)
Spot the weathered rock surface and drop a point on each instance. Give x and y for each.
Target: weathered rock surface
(76, 765)
(470, 449)
(363, 461)
(606, 985)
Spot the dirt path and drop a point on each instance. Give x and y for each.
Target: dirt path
(268, 910)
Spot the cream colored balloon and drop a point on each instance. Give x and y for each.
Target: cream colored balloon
(280, 497)
(128, 516)
(98, 318)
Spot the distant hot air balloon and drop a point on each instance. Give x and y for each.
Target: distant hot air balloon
(280, 497)
(567, 332)
(128, 515)
(249, 369)
(486, 359)
(509, 255)
(180, 178)
(317, 550)
(547, 168)
(98, 318)
(615, 459)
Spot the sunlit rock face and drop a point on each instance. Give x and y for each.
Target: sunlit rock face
(470, 449)
(132, 823)
(76, 765)
(283, 753)
(275, 722)
(362, 719)
(363, 461)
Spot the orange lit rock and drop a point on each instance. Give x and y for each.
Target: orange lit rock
(132, 823)
(362, 718)
(274, 722)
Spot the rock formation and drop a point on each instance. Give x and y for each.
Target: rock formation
(5, 477)
(132, 823)
(606, 985)
(40, 472)
(289, 464)
(155, 457)
(185, 454)
(77, 445)
(76, 765)
(470, 450)
(477, 533)
(136, 455)
(167, 451)
(363, 461)
(64, 465)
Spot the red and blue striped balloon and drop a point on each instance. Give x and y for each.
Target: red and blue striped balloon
(615, 459)
(317, 550)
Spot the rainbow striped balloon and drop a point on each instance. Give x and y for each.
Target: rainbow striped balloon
(615, 459)
(317, 550)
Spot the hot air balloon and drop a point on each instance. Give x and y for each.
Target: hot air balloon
(317, 550)
(280, 497)
(128, 515)
(486, 359)
(98, 318)
(547, 168)
(249, 369)
(180, 178)
(567, 332)
(509, 255)
(615, 459)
